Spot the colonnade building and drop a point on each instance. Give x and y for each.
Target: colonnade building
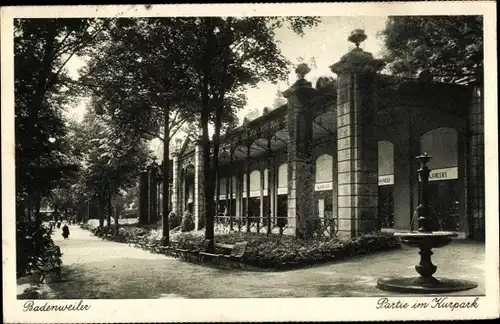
(339, 158)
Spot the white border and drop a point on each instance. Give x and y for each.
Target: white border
(284, 309)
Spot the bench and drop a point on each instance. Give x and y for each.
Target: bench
(236, 255)
(153, 246)
(181, 252)
(49, 261)
(168, 250)
(198, 253)
(140, 241)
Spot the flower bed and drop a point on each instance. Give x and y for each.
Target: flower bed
(272, 251)
(285, 252)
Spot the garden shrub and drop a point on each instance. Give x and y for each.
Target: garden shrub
(31, 243)
(173, 220)
(274, 250)
(187, 222)
(285, 252)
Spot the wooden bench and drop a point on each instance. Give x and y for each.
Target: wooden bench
(49, 262)
(182, 252)
(153, 246)
(168, 250)
(236, 255)
(197, 253)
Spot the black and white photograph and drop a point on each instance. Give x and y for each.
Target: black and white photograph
(258, 162)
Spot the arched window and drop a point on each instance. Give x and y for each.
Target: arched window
(324, 172)
(255, 183)
(222, 186)
(444, 187)
(266, 177)
(442, 145)
(385, 163)
(283, 179)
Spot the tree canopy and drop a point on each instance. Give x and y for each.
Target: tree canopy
(449, 47)
(42, 47)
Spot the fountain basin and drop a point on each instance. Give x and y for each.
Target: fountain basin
(424, 285)
(426, 282)
(426, 239)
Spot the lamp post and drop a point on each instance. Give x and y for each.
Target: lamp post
(423, 207)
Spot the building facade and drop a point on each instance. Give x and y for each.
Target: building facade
(339, 158)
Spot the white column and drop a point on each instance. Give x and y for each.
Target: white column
(199, 202)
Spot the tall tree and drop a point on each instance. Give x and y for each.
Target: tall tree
(42, 47)
(449, 47)
(137, 78)
(111, 160)
(225, 55)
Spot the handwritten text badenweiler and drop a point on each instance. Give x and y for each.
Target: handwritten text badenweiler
(30, 306)
(438, 302)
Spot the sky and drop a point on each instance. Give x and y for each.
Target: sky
(320, 47)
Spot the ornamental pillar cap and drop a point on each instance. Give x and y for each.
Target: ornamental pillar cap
(357, 60)
(301, 71)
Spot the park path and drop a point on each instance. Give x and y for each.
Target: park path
(94, 268)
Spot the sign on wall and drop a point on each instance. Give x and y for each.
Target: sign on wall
(443, 174)
(323, 186)
(253, 193)
(386, 180)
(283, 191)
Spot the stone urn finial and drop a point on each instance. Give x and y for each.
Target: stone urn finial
(357, 37)
(301, 70)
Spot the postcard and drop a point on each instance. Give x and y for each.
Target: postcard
(250, 162)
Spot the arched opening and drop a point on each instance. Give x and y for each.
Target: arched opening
(189, 188)
(444, 187)
(386, 184)
(282, 197)
(254, 202)
(323, 187)
(222, 203)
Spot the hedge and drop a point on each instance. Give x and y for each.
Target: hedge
(274, 250)
(284, 252)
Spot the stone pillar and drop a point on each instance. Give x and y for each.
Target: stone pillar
(228, 197)
(262, 179)
(153, 190)
(237, 188)
(182, 191)
(247, 187)
(475, 163)
(217, 194)
(300, 155)
(199, 193)
(357, 163)
(230, 201)
(270, 173)
(175, 185)
(143, 198)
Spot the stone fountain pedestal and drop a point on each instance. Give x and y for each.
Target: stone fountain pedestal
(425, 238)
(426, 282)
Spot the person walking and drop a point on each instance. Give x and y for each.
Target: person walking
(65, 231)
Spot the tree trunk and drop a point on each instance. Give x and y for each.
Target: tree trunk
(166, 178)
(110, 209)
(38, 217)
(101, 210)
(117, 217)
(30, 210)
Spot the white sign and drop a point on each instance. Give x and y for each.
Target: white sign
(223, 197)
(386, 180)
(323, 186)
(443, 174)
(283, 191)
